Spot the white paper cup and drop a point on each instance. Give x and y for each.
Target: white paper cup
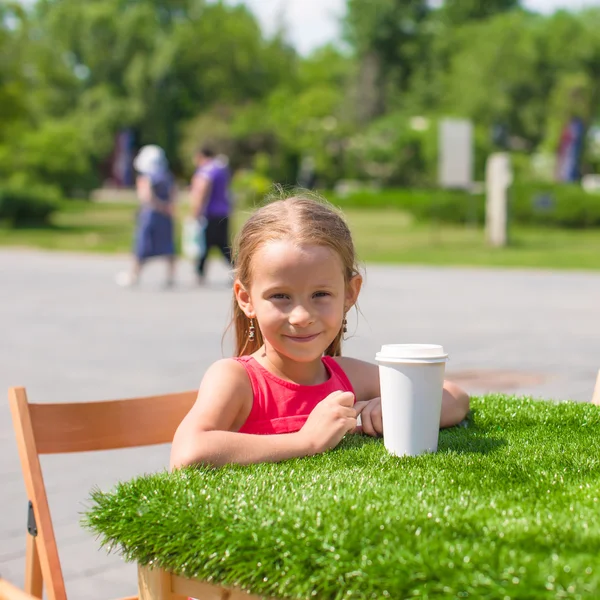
(412, 381)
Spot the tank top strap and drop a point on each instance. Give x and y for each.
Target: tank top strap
(336, 370)
(253, 376)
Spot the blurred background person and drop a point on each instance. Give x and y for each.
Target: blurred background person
(154, 233)
(210, 200)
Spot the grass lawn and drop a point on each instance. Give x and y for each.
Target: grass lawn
(507, 508)
(381, 236)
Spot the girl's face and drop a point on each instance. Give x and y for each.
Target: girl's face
(298, 297)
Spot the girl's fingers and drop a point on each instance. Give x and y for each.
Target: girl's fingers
(377, 421)
(367, 422)
(359, 407)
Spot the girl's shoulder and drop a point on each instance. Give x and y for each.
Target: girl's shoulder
(224, 398)
(229, 376)
(363, 375)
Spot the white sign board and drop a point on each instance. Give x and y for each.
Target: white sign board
(456, 154)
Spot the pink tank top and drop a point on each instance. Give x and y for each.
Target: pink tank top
(281, 406)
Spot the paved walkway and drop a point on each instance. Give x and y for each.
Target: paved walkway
(68, 333)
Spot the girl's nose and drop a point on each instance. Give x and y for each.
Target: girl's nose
(300, 316)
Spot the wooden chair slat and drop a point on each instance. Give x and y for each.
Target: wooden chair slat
(107, 425)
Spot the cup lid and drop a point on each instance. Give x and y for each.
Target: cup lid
(411, 352)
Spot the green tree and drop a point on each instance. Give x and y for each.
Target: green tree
(91, 68)
(12, 84)
(458, 12)
(389, 41)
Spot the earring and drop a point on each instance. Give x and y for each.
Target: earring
(251, 331)
(345, 325)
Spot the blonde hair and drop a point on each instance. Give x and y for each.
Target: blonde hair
(305, 219)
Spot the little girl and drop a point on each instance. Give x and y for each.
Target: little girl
(288, 392)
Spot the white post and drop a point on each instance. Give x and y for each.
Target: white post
(498, 178)
(596, 396)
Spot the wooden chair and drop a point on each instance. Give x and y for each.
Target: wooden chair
(10, 592)
(79, 427)
(596, 395)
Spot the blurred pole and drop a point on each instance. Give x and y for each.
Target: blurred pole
(498, 179)
(596, 396)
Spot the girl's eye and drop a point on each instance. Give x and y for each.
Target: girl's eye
(278, 297)
(322, 294)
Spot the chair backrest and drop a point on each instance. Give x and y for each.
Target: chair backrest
(79, 427)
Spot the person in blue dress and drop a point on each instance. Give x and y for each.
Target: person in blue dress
(154, 234)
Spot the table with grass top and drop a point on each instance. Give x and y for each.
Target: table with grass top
(507, 508)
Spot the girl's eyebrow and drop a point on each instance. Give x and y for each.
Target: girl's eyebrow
(283, 288)
(274, 288)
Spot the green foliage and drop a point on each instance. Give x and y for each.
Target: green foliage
(164, 63)
(557, 205)
(53, 153)
(290, 122)
(425, 205)
(531, 203)
(250, 187)
(571, 97)
(495, 74)
(397, 150)
(507, 507)
(458, 12)
(392, 31)
(182, 72)
(22, 204)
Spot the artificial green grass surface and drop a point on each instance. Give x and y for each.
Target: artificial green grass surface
(507, 508)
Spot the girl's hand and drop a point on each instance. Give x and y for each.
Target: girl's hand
(372, 422)
(330, 421)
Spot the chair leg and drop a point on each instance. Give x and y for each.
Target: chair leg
(33, 569)
(596, 396)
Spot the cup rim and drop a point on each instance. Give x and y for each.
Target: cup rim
(411, 353)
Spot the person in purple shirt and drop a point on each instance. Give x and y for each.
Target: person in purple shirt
(211, 202)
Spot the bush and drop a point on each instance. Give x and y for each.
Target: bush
(560, 205)
(425, 205)
(556, 205)
(31, 205)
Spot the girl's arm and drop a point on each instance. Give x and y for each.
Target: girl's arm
(209, 432)
(364, 377)
(455, 404)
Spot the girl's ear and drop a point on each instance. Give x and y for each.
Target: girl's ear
(352, 291)
(243, 299)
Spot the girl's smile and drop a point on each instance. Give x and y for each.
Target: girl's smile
(303, 338)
